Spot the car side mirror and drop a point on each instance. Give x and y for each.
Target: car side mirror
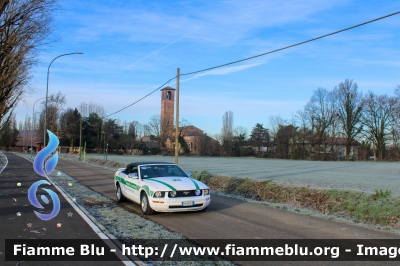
(133, 175)
(189, 173)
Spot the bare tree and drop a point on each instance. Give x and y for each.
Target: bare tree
(87, 108)
(321, 112)
(25, 26)
(274, 122)
(184, 123)
(153, 128)
(154, 125)
(240, 130)
(395, 124)
(128, 142)
(349, 111)
(239, 137)
(377, 116)
(139, 131)
(69, 126)
(303, 132)
(203, 144)
(227, 132)
(146, 130)
(131, 131)
(9, 134)
(54, 107)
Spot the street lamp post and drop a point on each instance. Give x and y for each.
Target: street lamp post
(80, 140)
(47, 92)
(33, 123)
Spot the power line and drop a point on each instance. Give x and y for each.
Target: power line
(259, 55)
(293, 45)
(141, 98)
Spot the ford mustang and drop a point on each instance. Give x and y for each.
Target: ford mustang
(161, 187)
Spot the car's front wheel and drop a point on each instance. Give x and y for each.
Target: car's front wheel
(145, 205)
(120, 196)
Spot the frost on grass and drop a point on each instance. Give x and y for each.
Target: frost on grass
(126, 226)
(120, 222)
(378, 209)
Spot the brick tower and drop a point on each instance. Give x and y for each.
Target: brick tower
(167, 111)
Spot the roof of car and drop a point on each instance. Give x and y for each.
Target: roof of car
(146, 163)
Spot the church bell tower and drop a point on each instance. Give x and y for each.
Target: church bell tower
(167, 110)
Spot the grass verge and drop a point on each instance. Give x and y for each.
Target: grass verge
(378, 208)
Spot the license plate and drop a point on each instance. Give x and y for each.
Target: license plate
(187, 203)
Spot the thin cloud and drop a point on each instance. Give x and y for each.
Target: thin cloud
(222, 71)
(160, 49)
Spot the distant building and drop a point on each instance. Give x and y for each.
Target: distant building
(338, 146)
(28, 139)
(148, 141)
(167, 110)
(334, 146)
(198, 142)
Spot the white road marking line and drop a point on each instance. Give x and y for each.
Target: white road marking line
(5, 164)
(125, 260)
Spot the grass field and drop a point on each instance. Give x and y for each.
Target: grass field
(359, 176)
(354, 191)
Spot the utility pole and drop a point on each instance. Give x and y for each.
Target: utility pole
(84, 153)
(104, 145)
(177, 116)
(106, 151)
(80, 141)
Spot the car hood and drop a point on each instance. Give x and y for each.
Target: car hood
(174, 183)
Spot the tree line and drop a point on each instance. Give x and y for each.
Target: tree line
(97, 132)
(366, 124)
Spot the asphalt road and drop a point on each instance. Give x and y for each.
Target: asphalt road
(15, 181)
(228, 218)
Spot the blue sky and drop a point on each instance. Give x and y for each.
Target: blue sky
(132, 47)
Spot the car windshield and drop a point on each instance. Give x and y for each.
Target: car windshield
(149, 171)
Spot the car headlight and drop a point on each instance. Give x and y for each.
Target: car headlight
(172, 194)
(206, 191)
(159, 194)
(198, 192)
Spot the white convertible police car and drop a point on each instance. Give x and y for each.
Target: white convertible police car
(162, 187)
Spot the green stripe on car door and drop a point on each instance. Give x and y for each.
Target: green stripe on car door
(127, 183)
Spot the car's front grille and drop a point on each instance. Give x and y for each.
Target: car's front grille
(186, 193)
(182, 207)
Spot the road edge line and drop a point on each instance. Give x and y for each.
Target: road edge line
(6, 162)
(98, 228)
